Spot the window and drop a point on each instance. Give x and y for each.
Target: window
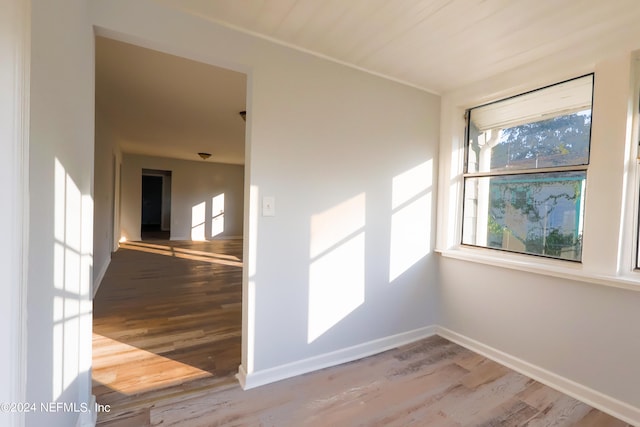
(526, 160)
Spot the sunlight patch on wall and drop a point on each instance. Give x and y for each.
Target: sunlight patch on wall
(409, 184)
(198, 221)
(73, 226)
(410, 235)
(249, 297)
(85, 308)
(217, 215)
(58, 359)
(411, 218)
(336, 273)
(86, 242)
(72, 265)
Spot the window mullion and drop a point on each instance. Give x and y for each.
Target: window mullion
(527, 171)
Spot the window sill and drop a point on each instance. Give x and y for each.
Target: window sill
(546, 267)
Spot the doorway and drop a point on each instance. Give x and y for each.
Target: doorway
(156, 205)
(167, 320)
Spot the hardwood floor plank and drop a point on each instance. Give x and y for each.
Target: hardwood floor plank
(596, 418)
(564, 411)
(465, 405)
(539, 396)
(483, 373)
(139, 418)
(513, 412)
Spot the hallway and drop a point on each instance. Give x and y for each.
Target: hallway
(167, 324)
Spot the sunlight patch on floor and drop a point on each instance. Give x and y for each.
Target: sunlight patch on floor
(183, 253)
(114, 371)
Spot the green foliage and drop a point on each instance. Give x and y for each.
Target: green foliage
(553, 244)
(495, 232)
(562, 140)
(534, 200)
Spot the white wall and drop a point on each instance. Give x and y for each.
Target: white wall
(14, 115)
(107, 160)
(192, 183)
(575, 330)
(61, 211)
(329, 143)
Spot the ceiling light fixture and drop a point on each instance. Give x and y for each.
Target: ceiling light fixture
(243, 114)
(204, 156)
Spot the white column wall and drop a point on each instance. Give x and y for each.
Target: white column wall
(61, 212)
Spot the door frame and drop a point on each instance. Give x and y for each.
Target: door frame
(15, 27)
(164, 195)
(250, 208)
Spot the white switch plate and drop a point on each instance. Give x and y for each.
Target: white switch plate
(268, 206)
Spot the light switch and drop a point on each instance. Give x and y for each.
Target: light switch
(268, 206)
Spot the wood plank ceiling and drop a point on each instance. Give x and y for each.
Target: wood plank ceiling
(436, 45)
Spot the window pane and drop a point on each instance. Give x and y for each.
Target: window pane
(540, 213)
(545, 128)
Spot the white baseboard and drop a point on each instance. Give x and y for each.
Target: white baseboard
(598, 400)
(241, 376)
(288, 370)
(101, 273)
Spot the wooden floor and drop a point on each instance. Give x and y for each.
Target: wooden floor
(166, 347)
(167, 322)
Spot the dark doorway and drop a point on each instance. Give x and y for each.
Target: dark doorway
(156, 205)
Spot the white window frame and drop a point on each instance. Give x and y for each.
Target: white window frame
(631, 241)
(545, 170)
(611, 193)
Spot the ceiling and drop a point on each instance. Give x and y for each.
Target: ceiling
(163, 105)
(434, 45)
